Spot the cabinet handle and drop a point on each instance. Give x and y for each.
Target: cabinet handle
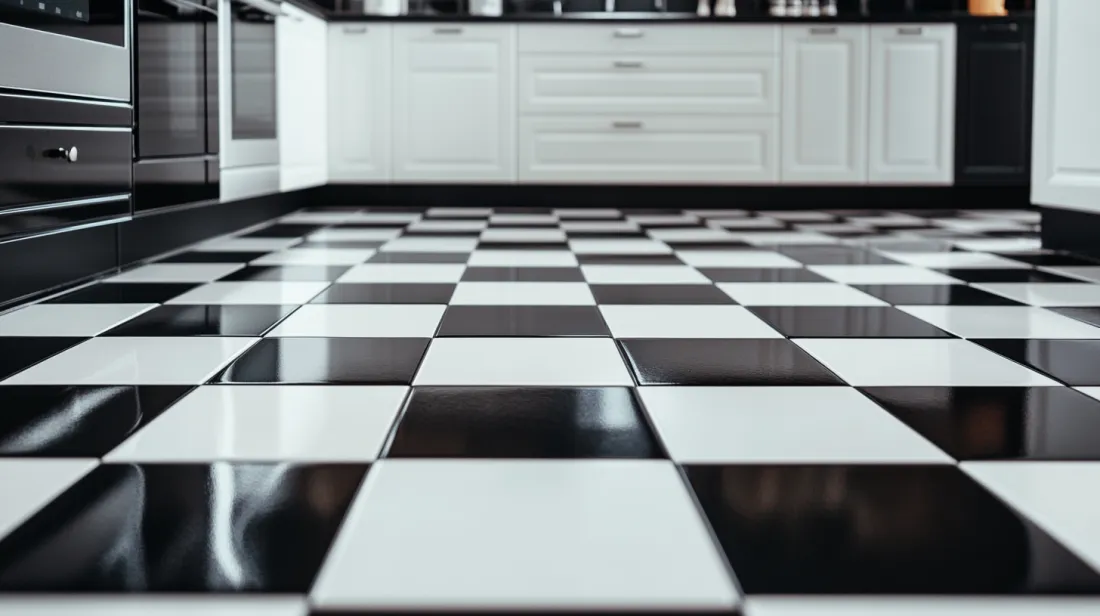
(626, 125)
(1000, 27)
(625, 64)
(359, 30)
(823, 30)
(628, 33)
(69, 155)
(911, 31)
(447, 30)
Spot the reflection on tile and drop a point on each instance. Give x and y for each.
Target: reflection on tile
(835, 255)
(213, 257)
(289, 273)
(182, 528)
(540, 422)
(684, 322)
(797, 294)
(247, 244)
(999, 423)
(763, 274)
(330, 255)
(630, 246)
(365, 361)
(28, 484)
(651, 294)
(846, 322)
(1003, 322)
(902, 529)
(1047, 259)
(404, 272)
(818, 605)
(642, 274)
(956, 260)
(629, 260)
(367, 321)
(129, 293)
(177, 272)
(569, 362)
(419, 257)
(529, 321)
(522, 274)
(934, 295)
(522, 258)
(1084, 315)
(522, 294)
(724, 362)
(77, 422)
(17, 354)
(1074, 293)
(1005, 275)
(74, 320)
(248, 321)
(1073, 362)
(402, 293)
(282, 230)
(754, 259)
(1090, 273)
(881, 274)
(251, 293)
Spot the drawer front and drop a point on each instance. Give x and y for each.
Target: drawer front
(445, 47)
(165, 183)
(43, 164)
(656, 38)
(634, 83)
(649, 149)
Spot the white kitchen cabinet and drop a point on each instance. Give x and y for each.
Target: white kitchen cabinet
(649, 149)
(824, 104)
(360, 69)
(301, 47)
(912, 104)
(454, 102)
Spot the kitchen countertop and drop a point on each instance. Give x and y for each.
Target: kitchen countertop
(657, 18)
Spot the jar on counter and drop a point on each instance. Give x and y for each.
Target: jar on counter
(987, 7)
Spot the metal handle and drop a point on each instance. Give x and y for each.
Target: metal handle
(447, 30)
(66, 154)
(823, 30)
(188, 4)
(625, 64)
(1000, 27)
(626, 125)
(628, 33)
(911, 31)
(359, 30)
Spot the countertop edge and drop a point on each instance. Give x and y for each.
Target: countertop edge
(681, 19)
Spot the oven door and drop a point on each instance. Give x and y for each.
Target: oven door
(71, 47)
(249, 111)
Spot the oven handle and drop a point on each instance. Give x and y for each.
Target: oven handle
(189, 4)
(271, 7)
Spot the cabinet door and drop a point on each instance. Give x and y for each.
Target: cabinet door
(824, 104)
(993, 118)
(301, 48)
(360, 63)
(454, 103)
(912, 104)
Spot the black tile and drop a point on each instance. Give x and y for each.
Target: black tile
(125, 293)
(1085, 315)
(1074, 362)
(1049, 259)
(1006, 275)
(934, 295)
(213, 257)
(730, 245)
(287, 230)
(283, 273)
(771, 362)
(542, 224)
(682, 294)
(183, 528)
(763, 274)
(372, 225)
(342, 244)
(834, 255)
(18, 354)
(999, 423)
(419, 257)
(668, 259)
(203, 320)
(574, 234)
(438, 232)
(341, 293)
(522, 246)
(522, 274)
(889, 530)
(536, 422)
(373, 361)
(62, 421)
(531, 321)
(846, 322)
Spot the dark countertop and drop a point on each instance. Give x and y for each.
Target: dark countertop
(658, 18)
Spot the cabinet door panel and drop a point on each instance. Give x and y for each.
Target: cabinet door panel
(302, 47)
(360, 65)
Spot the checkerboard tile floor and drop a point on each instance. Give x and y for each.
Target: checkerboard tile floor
(362, 410)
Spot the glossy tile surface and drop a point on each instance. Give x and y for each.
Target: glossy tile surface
(528, 321)
(1046, 294)
(532, 362)
(67, 320)
(659, 294)
(284, 293)
(177, 272)
(1003, 322)
(404, 293)
(367, 321)
(523, 274)
(129, 293)
(1074, 362)
(797, 294)
(240, 321)
(286, 273)
(724, 362)
(366, 361)
(846, 321)
(934, 295)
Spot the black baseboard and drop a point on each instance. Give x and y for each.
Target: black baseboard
(664, 196)
(1071, 231)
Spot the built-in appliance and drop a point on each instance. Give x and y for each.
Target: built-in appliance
(176, 100)
(71, 47)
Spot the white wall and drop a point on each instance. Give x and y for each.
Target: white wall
(1066, 139)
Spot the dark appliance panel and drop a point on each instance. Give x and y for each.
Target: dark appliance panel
(254, 76)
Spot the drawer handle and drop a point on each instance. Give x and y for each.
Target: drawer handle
(823, 30)
(1000, 27)
(625, 64)
(359, 30)
(447, 30)
(911, 31)
(70, 155)
(627, 125)
(628, 33)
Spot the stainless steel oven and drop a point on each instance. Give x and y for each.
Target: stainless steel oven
(72, 47)
(249, 112)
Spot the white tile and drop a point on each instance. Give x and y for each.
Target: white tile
(921, 606)
(79, 320)
(262, 292)
(177, 272)
(736, 258)
(393, 218)
(430, 244)
(1058, 496)
(701, 234)
(1090, 391)
(685, 322)
(1090, 273)
(316, 256)
(449, 225)
(461, 212)
(998, 244)
(799, 216)
(980, 225)
(523, 361)
(889, 220)
(1028, 216)
(247, 244)
(781, 425)
(610, 226)
(576, 213)
(568, 534)
(797, 294)
(380, 234)
(404, 272)
(268, 423)
(746, 223)
(766, 238)
(663, 219)
(152, 605)
(136, 361)
(522, 258)
(318, 218)
(832, 227)
(523, 235)
(959, 260)
(642, 274)
(626, 246)
(866, 362)
(522, 294)
(1003, 322)
(707, 214)
(1046, 293)
(881, 274)
(28, 484)
(361, 321)
(520, 219)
